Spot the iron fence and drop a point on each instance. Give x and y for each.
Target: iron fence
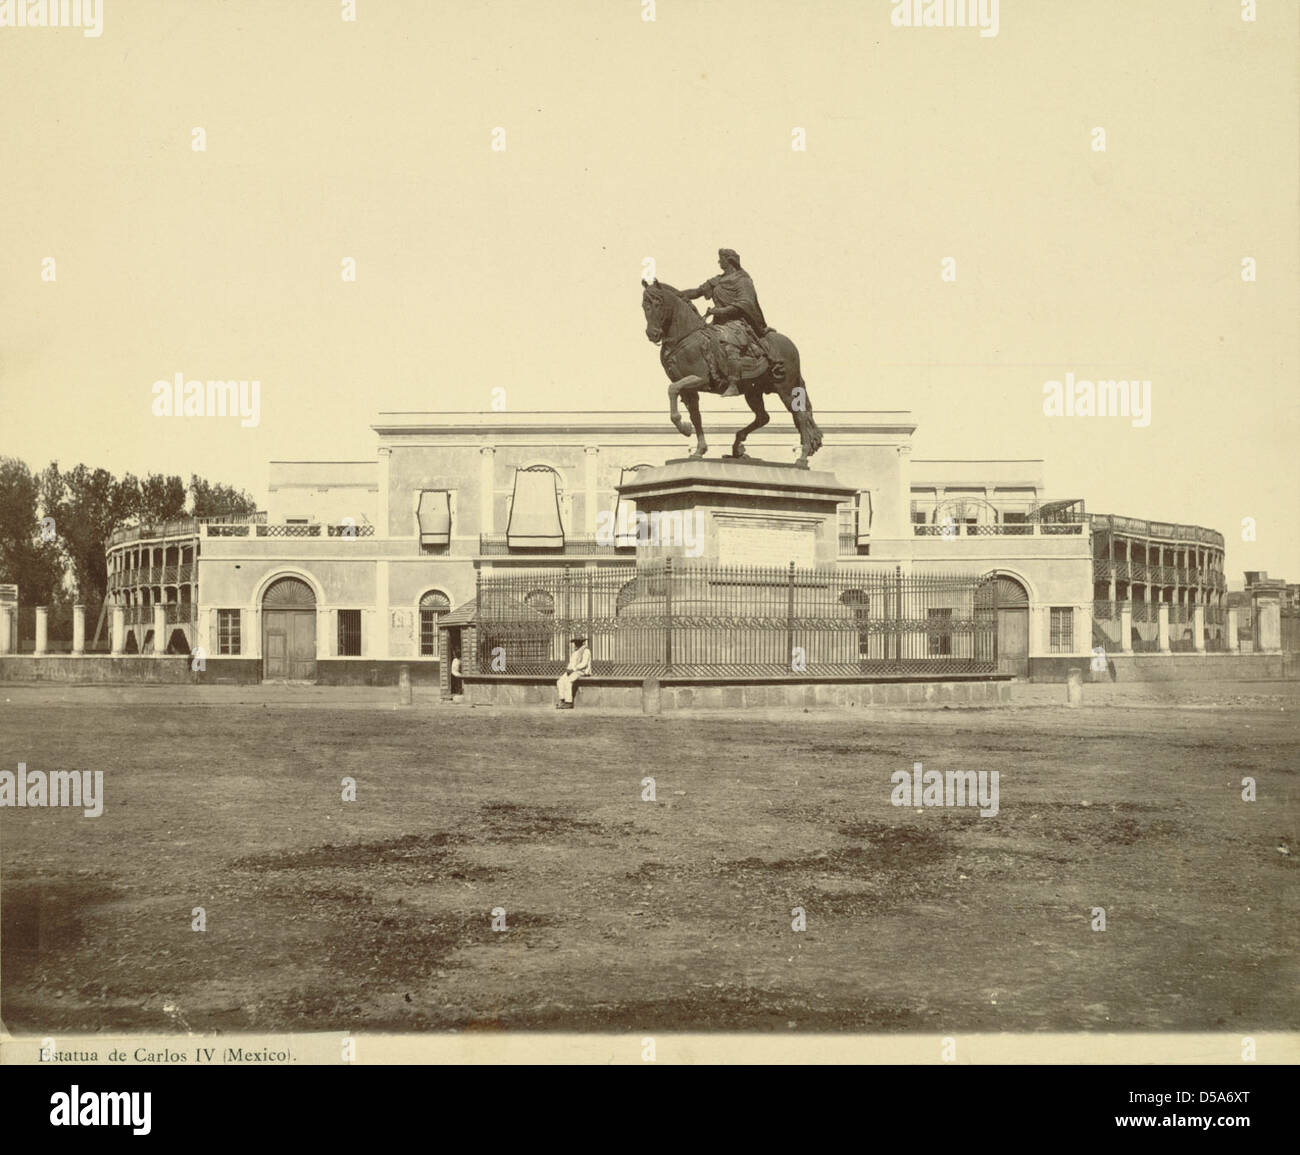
(697, 619)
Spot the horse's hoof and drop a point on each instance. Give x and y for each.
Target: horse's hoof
(802, 463)
(684, 429)
(698, 452)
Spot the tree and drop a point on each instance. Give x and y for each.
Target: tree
(35, 566)
(86, 505)
(214, 499)
(161, 498)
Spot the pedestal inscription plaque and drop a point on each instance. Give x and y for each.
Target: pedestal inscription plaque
(767, 545)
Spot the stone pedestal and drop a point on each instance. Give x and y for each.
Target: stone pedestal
(6, 630)
(159, 628)
(742, 512)
(1198, 629)
(1125, 628)
(1163, 611)
(78, 629)
(1231, 640)
(1268, 625)
(42, 629)
(118, 636)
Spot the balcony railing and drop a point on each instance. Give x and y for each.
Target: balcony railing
(151, 576)
(284, 529)
(1003, 529)
(174, 613)
(1159, 575)
(1137, 527)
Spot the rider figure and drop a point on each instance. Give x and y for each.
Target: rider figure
(735, 301)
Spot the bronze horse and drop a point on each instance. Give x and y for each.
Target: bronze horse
(673, 324)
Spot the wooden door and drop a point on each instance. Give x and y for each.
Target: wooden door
(1013, 641)
(302, 646)
(289, 645)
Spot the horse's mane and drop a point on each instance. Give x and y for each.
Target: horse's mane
(658, 284)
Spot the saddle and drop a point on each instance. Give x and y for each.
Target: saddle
(733, 353)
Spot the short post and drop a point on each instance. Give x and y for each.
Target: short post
(159, 629)
(118, 646)
(1074, 688)
(1198, 629)
(78, 629)
(1163, 610)
(651, 696)
(1125, 627)
(1231, 638)
(404, 684)
(6, 621)
(42, 629)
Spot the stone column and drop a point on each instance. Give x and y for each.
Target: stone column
(385, 460)
(590, 460)
(1230, 639)
(1125, 627)
(118, 636)
(78, 629)
(1198, 629)
(6, 630)
(486, 481)
(159, 628)
(324, 643)
(42, 628)
(1163, 611)
(377, 639)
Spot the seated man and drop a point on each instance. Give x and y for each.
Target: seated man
(579, 667)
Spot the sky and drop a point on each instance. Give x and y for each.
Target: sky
(628, 138)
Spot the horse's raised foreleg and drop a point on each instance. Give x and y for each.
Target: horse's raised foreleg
(674, 390)
(693, 408)
(754, 399)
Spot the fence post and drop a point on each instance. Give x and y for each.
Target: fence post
(591, 641)
(789, 623)
(995, 623)
(668, 615)
(898, 617)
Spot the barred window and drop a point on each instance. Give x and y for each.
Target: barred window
(349, 633)
(227, 631)
(1062, 632)
(432, 606)
(941, 632)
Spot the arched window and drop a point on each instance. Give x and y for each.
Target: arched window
(540, 601)
(432, 606)
(289, 592)
(860, 603)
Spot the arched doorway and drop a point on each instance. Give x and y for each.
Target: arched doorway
(1012, 608)
(289, 631)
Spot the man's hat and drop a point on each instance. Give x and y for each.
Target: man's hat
(730, 254)
(577, 641)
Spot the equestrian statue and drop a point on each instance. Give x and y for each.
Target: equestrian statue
(733, 352)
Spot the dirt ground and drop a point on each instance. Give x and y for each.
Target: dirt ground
(672, 914)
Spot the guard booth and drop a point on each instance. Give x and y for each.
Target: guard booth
(451, 645)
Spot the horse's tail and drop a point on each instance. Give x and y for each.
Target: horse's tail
(813, 429)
